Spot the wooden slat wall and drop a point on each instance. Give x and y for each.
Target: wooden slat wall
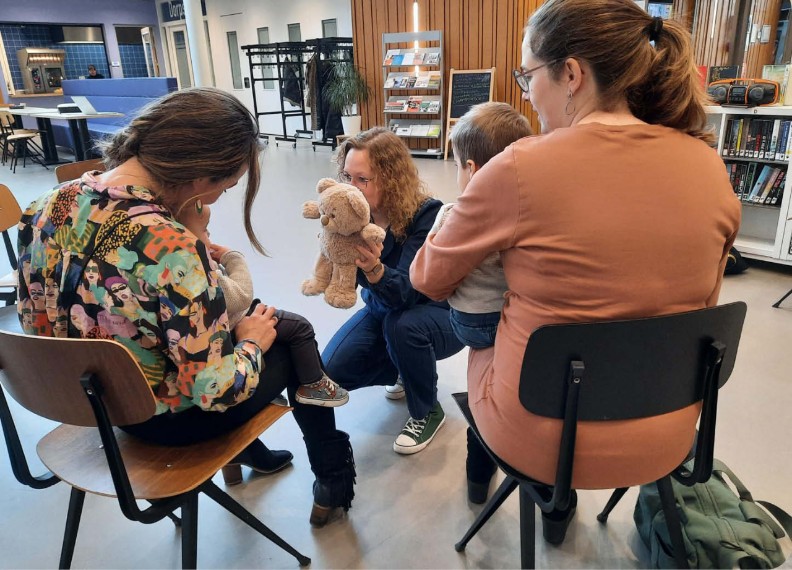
(763, 12)
(476, 34)
(714, 23)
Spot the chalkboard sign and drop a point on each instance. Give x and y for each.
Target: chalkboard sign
(468, 87)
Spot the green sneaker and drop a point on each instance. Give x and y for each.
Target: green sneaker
(417, 434)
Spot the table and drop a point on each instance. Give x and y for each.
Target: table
(79, 128)
(44, 125)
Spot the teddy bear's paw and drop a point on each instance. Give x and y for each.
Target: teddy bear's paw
(311, 287)
(340, 299)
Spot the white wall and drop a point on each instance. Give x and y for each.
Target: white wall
(244, 17)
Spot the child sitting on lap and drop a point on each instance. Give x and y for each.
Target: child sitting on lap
(481, 133)
(293, 329)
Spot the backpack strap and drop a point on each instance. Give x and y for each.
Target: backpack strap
(719, 468)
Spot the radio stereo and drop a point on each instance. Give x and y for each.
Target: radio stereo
(744, 92)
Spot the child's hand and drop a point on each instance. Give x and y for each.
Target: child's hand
(218, 251)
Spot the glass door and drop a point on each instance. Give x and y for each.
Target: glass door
(150, 52)
(179, 49)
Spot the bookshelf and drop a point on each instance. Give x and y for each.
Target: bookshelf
(756, 144)
(412, 65)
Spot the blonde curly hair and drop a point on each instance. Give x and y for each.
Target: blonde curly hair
(403, 192)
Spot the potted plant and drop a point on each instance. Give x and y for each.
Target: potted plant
(346, 89)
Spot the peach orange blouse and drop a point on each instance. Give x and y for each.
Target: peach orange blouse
(593, 222)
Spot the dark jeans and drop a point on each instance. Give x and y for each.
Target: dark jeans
(476, 330)
(373, 348)
(194, 425)
(295, 331)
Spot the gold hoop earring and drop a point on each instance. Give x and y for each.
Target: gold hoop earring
(567, 110)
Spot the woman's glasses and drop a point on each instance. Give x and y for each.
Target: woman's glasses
(523, 78)
(358, 181)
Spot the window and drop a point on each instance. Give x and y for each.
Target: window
(264, 72)
(233, 53)
(295, 35)
(329, 28)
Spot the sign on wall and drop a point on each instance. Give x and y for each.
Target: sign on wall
(173, 10)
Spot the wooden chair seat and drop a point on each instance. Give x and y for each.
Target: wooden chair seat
(90, 386)
(75, 455)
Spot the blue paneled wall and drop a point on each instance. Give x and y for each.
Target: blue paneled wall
(78, 56)
(133, 60)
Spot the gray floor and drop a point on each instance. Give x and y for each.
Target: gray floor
(409, 511)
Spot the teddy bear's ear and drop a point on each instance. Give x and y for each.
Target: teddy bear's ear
(324, 184)
(358, 204)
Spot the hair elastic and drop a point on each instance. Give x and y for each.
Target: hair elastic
(654, 28)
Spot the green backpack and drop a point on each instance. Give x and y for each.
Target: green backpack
(719, 528)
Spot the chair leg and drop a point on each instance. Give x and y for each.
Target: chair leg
(672, 520)
(189, 522)
(527, 530)
(614, 499)
(224, 500)
(781, 300)
(76, 501)
(509, 484)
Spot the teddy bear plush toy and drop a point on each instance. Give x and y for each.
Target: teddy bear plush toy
(344, 214)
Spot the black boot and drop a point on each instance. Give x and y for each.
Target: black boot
(258, 457)
(334, 466)
(480, 468)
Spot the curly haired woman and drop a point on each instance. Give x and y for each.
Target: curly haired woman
(400, 333)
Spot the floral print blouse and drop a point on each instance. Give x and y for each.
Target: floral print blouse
(111, 263)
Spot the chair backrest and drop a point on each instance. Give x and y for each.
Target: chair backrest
(633, 368)
(66, 172)
(6, 123)
(43, 374)
(10, 214)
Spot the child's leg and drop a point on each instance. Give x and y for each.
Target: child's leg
(476, 330)
(315, 387)
(298, 333)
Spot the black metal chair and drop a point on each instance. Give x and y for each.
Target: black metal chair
(92, 385)
(618, 370)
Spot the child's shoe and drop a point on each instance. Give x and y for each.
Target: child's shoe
(323, 392)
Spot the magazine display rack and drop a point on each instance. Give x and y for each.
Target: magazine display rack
(755, 144)
(413, 71)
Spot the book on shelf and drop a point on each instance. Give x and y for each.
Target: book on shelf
(389, 57)
(718, 72)
(434, 81)
(702, 72)
(433, 107)
(389, 82)
(396, 59)
(431, 58)
(403, 131)
(779, 74)
(414, 104)
(408, 58)
(433, 131)
(396, 106)
(419, 58)
(424, 108)
(419, 130)
(422, 81)
(409, 82)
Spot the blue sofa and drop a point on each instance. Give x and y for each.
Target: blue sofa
(120, 95)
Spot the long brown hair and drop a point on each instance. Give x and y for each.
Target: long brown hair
(403, 192)
(660, 81)
(192, 134)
